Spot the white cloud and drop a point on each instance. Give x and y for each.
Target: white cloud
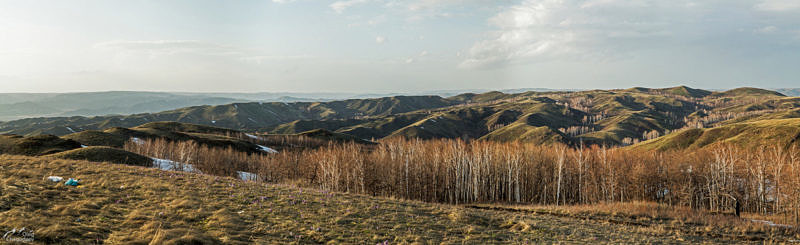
(540, 30)
(767, 29)
(428, 4)
(371, 22)
(380, 39)
(341, 6)
(264, 58)
(778, 5)
(163, 48)
(419, 10)
(169, 46)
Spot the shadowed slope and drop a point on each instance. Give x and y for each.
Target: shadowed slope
(105, 154)
(35, 145)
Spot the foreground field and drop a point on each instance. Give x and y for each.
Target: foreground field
(126, 204)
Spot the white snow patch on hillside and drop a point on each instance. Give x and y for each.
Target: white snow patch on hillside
(247, 176)
(252, 136)
(770, 223)
(137, 141)
(83, 146)
(267, 149)
(170, 165)
(70, 129)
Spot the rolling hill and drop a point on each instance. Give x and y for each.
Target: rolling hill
(238, 115)
(35, 145)
(17, 106)
(610, 117)
(781, 132)
(107, 145)
(206, 135)
(14, 106)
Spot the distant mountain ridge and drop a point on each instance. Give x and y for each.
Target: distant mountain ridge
(793, 92)
(611, 117)
(15, 106)
(251, 115)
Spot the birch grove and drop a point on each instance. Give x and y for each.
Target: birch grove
(763, 180)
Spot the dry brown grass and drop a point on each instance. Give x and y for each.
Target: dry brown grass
(127, 204)
(667, 218)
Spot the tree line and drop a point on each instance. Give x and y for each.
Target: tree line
(763, 180)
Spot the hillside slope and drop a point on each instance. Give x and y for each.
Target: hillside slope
(35, 145)
(173, 131)
(249, 116)
(104, 154)
(117, 204)
(781, 132)
(607, 117)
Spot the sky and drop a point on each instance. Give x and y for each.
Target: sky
(395, 46)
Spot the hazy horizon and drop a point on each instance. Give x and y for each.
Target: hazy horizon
(389, 46)
(421, 92)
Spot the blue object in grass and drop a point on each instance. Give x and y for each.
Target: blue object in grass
(72, 182)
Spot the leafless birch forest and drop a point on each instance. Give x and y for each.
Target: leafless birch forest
(764, 180)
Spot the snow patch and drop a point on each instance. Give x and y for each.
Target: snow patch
(253, 136)
(70, 129)
(212, 121)
(83, 146)
(137, 141)
(170, 165)
(770, 223)
(247, 176)
(267, 149)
